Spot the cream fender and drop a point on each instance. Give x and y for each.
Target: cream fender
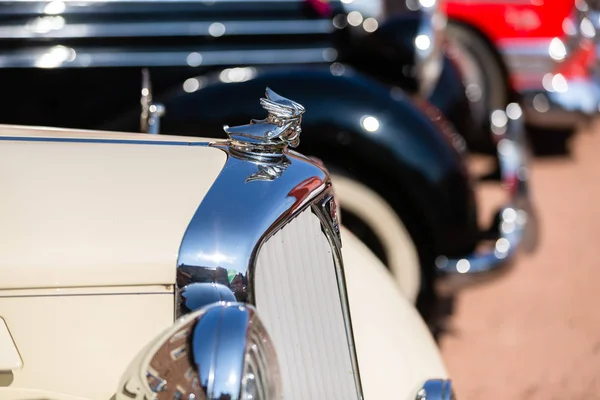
(396, 352)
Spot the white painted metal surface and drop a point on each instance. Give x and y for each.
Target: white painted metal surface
(80, 344)
(395, 350)
(96, 214)
(297, 298)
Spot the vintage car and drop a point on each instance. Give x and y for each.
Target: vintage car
(539, 52)
(400, 168)
(219, 264)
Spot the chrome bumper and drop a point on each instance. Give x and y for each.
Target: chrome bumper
(507, 235)
(575, 102)
(549, 98)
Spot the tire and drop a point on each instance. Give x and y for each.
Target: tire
(484, 79)
(366, 214)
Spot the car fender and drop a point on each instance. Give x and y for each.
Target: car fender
(381, 341)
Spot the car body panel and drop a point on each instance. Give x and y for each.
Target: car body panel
(32, 394)
(76, 341)
(79, 340)
(137, 203)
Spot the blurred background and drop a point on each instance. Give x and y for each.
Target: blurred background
(535, 332)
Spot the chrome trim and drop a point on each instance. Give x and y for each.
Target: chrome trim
(74, 57)
(208, 354)
(95, 140)
(58, 28)
(528, 60)
(221, 340)
(99, 7)
(436, 389)
(151, 112)
(507, 234)
(223, 238)
(39, 7)
(429, 61)
(269, 136)
(197, 295)
(550, 99)
(576, 103)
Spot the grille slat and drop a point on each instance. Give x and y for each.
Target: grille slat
(298, 299)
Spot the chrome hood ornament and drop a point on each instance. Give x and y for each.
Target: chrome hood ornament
(273, 134)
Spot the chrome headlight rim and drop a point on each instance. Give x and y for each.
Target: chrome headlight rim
(220, 348)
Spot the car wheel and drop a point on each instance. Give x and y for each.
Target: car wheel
(369, 217)
(483, 77)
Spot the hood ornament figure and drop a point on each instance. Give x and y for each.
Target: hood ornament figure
(264, 142)
(273, 134)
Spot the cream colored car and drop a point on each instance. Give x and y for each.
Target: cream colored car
(148, 266)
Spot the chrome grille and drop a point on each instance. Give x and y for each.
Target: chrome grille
(297, 297)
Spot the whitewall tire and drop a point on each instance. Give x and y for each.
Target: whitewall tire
(381, 218)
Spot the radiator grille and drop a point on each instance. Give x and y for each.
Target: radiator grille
(297, 297)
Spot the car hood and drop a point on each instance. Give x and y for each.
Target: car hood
(86, 208)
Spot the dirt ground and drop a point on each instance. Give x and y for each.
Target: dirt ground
(535, 332)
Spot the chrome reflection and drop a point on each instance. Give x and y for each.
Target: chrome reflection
(436, 389)
(198, 295)
(557, 49)
(221, 351)
(428, 42)
(370, 25)
(45, 24)
(151, 112)
(55, 7)
(280, 129)
(508, 231)
(166, 57)
(355, 18)
(55, 57)
(217, 29)
(369, 123)
(238, 74)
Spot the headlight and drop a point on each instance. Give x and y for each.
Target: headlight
(220, 351)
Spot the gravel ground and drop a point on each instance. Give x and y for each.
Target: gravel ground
(535, 332)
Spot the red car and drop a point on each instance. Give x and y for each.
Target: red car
(540, 52)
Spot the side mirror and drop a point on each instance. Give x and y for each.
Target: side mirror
(220, 352)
